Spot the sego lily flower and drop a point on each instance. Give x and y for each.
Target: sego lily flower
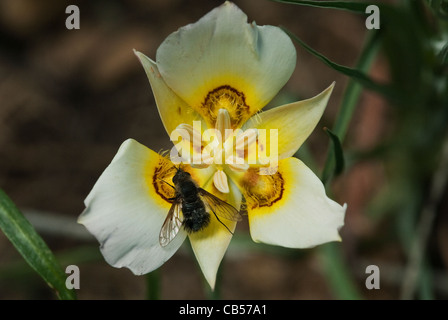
(220, 71)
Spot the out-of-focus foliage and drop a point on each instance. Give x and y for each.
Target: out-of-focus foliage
(414, 40)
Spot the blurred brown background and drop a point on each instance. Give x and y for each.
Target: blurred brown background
(69, 98)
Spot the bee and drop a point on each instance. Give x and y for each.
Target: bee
(191, 208)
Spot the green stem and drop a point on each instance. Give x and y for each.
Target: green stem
(153, 285)
(340, 280)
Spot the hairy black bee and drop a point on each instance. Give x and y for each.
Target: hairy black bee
(191, 208)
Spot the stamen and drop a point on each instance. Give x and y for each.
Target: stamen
(220, 181)
(241, 148)
(244, 141)
(190, 134)
(185, 131)
(237, 164)
(239, 167)
(206, 158)
(199, 162)
(223, 123)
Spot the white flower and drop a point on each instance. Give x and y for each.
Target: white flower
(220, 71)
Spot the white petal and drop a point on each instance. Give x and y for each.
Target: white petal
(294, 122)
(125, 214)
(211, 244)
(222, 49)
(172, 109)
(301, 215)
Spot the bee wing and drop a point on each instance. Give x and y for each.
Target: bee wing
(172, 224)
(219, 207)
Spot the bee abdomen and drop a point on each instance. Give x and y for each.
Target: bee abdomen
(195, 218)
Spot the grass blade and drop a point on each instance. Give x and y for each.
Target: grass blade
(349, 102)
(32, 248)
(355, 74)
(356, 7)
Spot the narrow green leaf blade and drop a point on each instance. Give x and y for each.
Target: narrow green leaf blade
(356, 7)
(350, 101)
(443, 55)
(354, 74)
(32, 248)
(337, 151)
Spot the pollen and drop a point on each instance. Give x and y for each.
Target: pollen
(228, 98)
(262, 190)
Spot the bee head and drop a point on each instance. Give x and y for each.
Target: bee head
(180, 175)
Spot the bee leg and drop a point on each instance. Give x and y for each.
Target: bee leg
(173, 198)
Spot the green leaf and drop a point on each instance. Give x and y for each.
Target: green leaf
(32, 248)
(356, 75)
(337, 151)
(443, 55)
(357, 7)
(337, 272)
(350, 101)
(440, 7)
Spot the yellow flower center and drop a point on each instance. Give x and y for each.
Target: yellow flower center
(163, 175)
(228, 98)
(162, 178)
(262, 190)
